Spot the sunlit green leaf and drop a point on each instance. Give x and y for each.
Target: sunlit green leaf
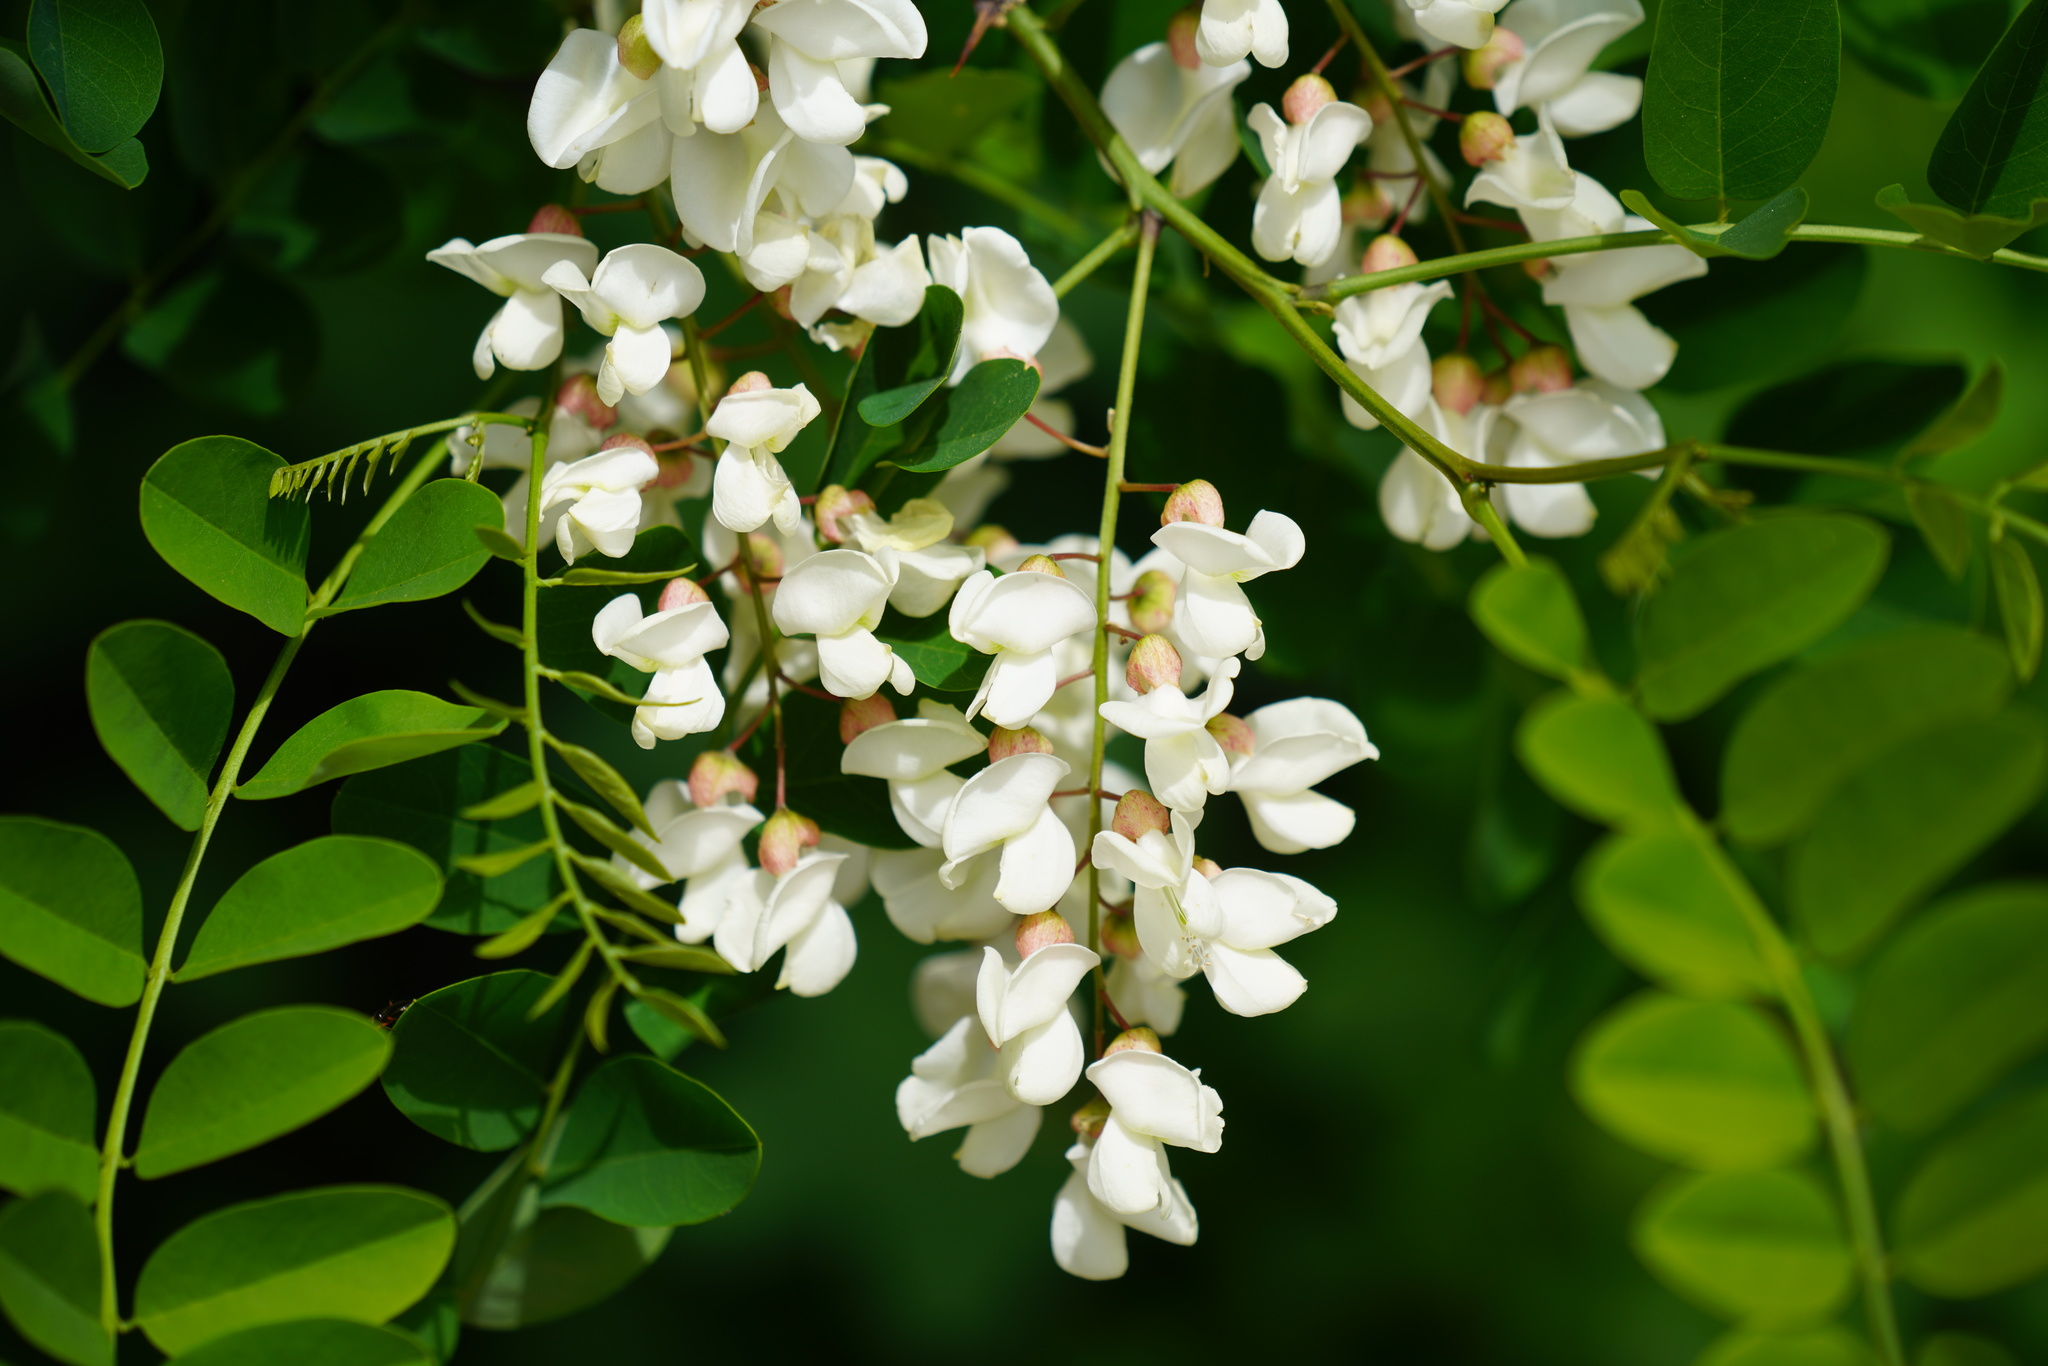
(1598, 756)
(1821, 1347)
(71, 909)
(989, 400)
(312, 1342)
(908, 364)
(161, 701)
(50, 1277)
(207, 509)
(1765, 1248)
(1944, 525)
(2019, 603)
(1962, 1349)
(1974, 1218)
(645, 1145)
(1531, 615)
(1667, 904)
(46, 1113)
(429, 547)
(367, 732)
(327, 892)
(469, 1066)
(1969, 418)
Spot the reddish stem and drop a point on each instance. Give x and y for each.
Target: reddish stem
(1110, 1006)
(1073, 678)
(805, 688)
(1064, 439)
(1424, 60)
(1146, 488)
(683, 443)
(1486, 302)
(729, 319)
(1125, 632)
(1414, 196)
(1499, 224)
(1447, 115)
(1075, 555)
(1335, 48)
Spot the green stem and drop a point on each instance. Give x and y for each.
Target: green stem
(999, 188)
(1438, 194)
(1478, 501)
(538, 1150)
(1097, 255)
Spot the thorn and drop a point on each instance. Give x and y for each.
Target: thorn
(987, 14)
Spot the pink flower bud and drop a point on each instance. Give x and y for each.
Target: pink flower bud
(1387, 252)
(1499, 389)
(1232, 733)
(1139, 813)
(675, 469)
(1539, 268)
(1375, 103)
(995, 541)
(1484, 136)
(1208, 868)
(1305, 97)
(1035, 932)
(681, 593)
(1180, 38)
(1042, 564)
(1152, 601)
(1140, 1038)
(1087, 1121)
(636, 54)
(784, 837)
(1367, 205)
(750, 382)
(1120, 936)
(1002, 744)
(1483, 64)
(578, 393)
(863, 714)
(620, 439)
(555, 218)
(1541, 370)
(834, 502)
(716, 774)
(1457, 382)
(1154, 663)
(1195, 501)
(766, 553)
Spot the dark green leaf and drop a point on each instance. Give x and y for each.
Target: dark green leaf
(1977, 234)
(1801, 301)
(50, 1277)
(1896, 829)
(1943, 525)
(1531, 615)
(1763, 1247)
(906, 365)
(645, 1145)
(103, 64)
(1820, 1347)
(940, 662)
(330, 891)
(1974, 1218)
(2019, 603)
(1992, 158)
(605, 781)
(1669, 905)
(1738, 94)
(624, 888)
(680, 957)
(345, 1252)
(429, 547)
(469, 1066)
(207, 510)
(161, 701)
(502, 861)
(1929, 47)
(1598, 756)
(232, 335)
(512, 802)
(312, 1342)
(1854, 408)
(46, 1113)
(989, 400)
(323, 211)
(942, 113)
(521, 936)
(1761, 234)
(1958, 1000)
(21, 100)
(1969, 418)
(851, 807)
(71, 909)
(507, 635)
(1747, 597)
(255, 1079)
(371, 731)
(1960, 1349)
(611, 837)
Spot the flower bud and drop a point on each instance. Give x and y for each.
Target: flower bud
(1484, 136)
(1087, 1121)
(836, 501)
(1208, 868)
(1140, 1038)
(1457, 382)
(1042, 564)
(1306, 97)
(1539, 268)
(1180, 38)
(1483, 64)
(1154, 663)
(862, 714)
(784, 837)
(1152, 601)
(750, 382)
(1367, 205)
(632, 439)
(1387, 252)
(636, 54)
(1375, 103)
(766, 553)
(555, 218)
(1035, 932)
(1004, 744)
(1498, 388)
(1139, 813)
(1541, 370)
(578, 393)
(1232, 733)
(681, 593)
(1195, 501)
(1120, 936)
(717, 773)
(675, 469)
(995, 542)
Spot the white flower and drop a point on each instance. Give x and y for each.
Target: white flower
(838, 596)
(724, 182)
(1005, 806)
(1380, 334)
(1418, 504)
(1018, 618)
(1169, 114)
(942, 986)
(1231, 29)
(1154, 1101)
(1532, 175)
(1461, 23)
(1561, 39)
(1211, 612)
(912, 546)
(1024, 1010)
(634, 289)
(1183, 762)
(698, 43)
(586, 103)
(1088, 1236)
(525, 334)
(690, 841)
(1009, 309)
(952, 1085)
(766, 913)
(749, 486)
(671, 645)
(1295, 745)
(1593, 420)
(912, 756)
(605, 489)
(886, 289)
(925, 909)
(1300, 215)
(806, 40)
(1146, 994)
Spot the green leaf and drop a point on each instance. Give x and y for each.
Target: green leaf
(1974, 1218)
(1803, 302)
(103, 64)
(207, 510)
(319, 895)
(989, 400)
(926, 644)
(1967, 419)
(1762, 1247)
(21, 100)
(1813, 728)
(1709, 1084)
(496, 542)
(908, 364)
(431, 804)
(428, 548)
(234, 335)
(367, 732)
(1737, 97)
(611, 837)
(1992, 158)
(1859, 407)
(312, 1342)
(1958, 1000)
(1900, 826)
(347, 1252)
(50, 1277)
(1944, 525)
(1747, 597)
(1531, 615)
(469, 1066)
(583, 576)
(605, 781)
(1978, 234)
(1928, 47)
(680, 1011)
(842, 804)
(71, 909)
(2019, 603)
(161, 700)
(1960, 1349)
(1761, 234)
(47, 1102)
(645, 1145)
(255, 1079)
(944, 112)
(1821, 1347)
(1598, 756)
(1667, 903)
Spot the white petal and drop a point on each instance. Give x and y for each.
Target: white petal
(1620, 345)
(832, 592)
(1252, 981)
(1018, 686)
(853, 665)
(1151, 1094)
(1037, 866)
(1036, 991)
(1127, 1171)
(811, 99)
(820, 955)
(995, 1145)
(1000, 802)
(1261, 910)
(1214, 617)
(1042, 1064)
(1599, 101)
(1087, 1240)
